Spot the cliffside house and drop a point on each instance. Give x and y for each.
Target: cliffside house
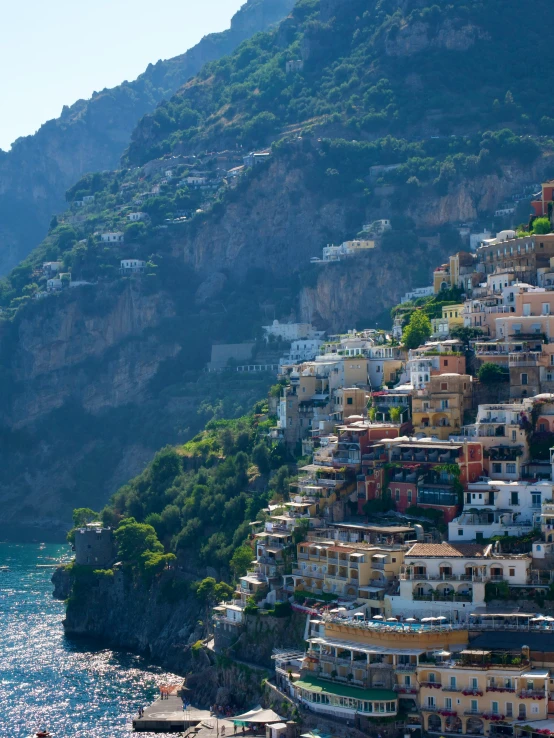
(116, 237)
(132, 266)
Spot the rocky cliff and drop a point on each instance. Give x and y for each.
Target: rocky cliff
(91, 135)
(163, 621)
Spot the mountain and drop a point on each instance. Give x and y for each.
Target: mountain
(363, 70)
(92, 134)
(96, 378)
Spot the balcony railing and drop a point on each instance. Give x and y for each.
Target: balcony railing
(531, 693)
(524, 358)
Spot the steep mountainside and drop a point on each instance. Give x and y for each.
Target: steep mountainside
(95, 378)
(364, 69)
(92, 134)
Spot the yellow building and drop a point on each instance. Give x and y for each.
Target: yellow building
(455, 273)
(353, 571)
(475, 689)
(438, 410)
(372, 666)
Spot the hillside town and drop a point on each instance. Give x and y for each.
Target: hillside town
(417, 539)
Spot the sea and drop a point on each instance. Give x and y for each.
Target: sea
(72, 687)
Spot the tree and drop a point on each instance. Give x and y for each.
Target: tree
(490, 373)
(242, 558)
(417, 331)
(134, 539)
(465, 333)
(84, 515)
(261, 457)
(541, 226)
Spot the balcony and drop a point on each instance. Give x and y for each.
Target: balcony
(406, 667)
(442, 598)
(531, 694)
(524, 358)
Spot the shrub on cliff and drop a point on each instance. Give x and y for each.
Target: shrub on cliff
(135, 539)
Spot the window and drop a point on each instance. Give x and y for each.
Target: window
(494, 708)
(430, 702)
(509, 709)
(409, 495)
(448, 703)
(497, 468)
(474, 683)
(432, 677)
(526, 308)
(524, 378)
(514, 435)
(536, 499)
(535, 709)
(514, 498)
(474, 706)
(510, 468)
(349, 401)
(444, 404)
(546, 308)
(397, 495)
(444, 385)
(453, 682)
(407, 680)
(460, 531)
(446, 362)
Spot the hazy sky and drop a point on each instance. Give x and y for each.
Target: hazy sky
(54, 52)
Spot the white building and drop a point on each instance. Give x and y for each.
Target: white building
(117, 237)
(448, 579)
(378, 227)
(51, 267)
(304, 349)
(291, 331)
(88, 198)
(54, 284)
(417, 293)
(498, 507)
(294, 65)
(134, 217)
(476, 239)
(132, 266)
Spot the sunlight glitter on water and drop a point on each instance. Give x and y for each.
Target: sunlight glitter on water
(47, 680)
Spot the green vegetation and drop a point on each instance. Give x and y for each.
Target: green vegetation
(490, 373)
(417, 331)
(541, 225)
(197, 500)
(354, 80)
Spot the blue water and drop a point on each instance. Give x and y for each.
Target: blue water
(47, 680)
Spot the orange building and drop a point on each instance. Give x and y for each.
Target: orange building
(541, 207)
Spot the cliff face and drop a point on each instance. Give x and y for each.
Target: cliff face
(91, 135)
(123, 611)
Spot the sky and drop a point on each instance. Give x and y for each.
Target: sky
(54, 52)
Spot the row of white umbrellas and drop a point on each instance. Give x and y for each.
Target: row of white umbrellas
(413, 620)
